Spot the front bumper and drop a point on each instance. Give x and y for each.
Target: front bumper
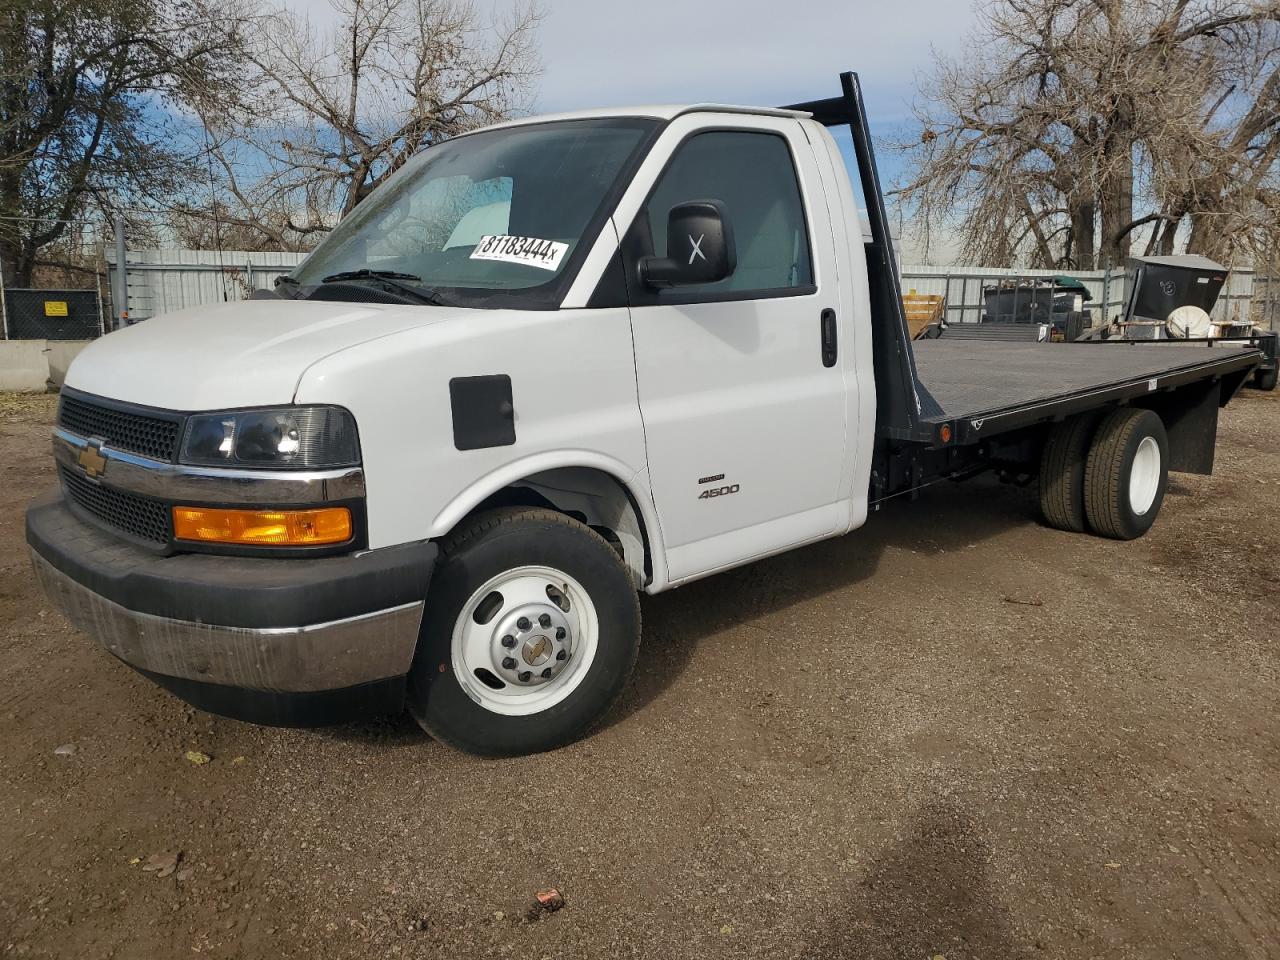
(277, 641)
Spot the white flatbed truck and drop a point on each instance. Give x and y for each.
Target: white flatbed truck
(546, 366)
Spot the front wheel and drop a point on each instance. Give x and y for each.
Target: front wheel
(531, 630)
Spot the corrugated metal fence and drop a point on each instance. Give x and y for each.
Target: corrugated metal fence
(1245, 296)
(161, 281)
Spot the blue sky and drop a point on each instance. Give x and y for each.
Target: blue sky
(598, 53)
(739, 50)
(742, 51)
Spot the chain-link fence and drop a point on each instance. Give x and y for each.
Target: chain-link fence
(59, 290)
(52, 314)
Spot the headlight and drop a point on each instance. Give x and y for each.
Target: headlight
(283, 438)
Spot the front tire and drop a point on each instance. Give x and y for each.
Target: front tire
(531, 630)
(1126, 474)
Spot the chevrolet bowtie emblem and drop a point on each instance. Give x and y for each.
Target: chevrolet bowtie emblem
(91, 458)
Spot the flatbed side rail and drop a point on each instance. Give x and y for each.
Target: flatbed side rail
(1264, 341)
(903, 405)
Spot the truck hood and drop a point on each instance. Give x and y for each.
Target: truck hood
(232, 355)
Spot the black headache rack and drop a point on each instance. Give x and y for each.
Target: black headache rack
(973, 394)
(904, 408)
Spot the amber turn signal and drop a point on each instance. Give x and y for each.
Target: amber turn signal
(265, 528)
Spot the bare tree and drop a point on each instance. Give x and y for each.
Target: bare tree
(1222, 178)
(326, 116)
(1078, 124)
(83, 87)
(217, 225)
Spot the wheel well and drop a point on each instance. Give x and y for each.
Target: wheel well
(592, 497)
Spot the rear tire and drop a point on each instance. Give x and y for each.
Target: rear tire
(515, 589)
(1062, 468)
(1127, 473)
(1266, 379)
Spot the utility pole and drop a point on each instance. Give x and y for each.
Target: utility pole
(4, 305)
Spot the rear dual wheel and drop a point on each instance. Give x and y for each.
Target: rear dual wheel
(1127, 473)
(1106, 474)
(1062, 466)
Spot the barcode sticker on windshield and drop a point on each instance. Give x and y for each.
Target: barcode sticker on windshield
(544, 254)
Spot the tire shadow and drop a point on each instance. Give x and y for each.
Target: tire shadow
(927, 895)
(945, 518)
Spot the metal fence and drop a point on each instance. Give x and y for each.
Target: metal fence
(61, 296)
(1266, 301)
(161, 281)
(1245, 296)
(162, 277)
(52, 314)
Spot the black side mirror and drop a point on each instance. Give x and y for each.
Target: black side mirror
(700, 247)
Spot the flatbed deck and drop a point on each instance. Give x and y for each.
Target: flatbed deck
(986, 387)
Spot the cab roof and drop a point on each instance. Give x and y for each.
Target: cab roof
(657, 112)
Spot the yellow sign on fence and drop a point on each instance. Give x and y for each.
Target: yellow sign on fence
(55, 308)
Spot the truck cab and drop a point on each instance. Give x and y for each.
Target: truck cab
(547, 365)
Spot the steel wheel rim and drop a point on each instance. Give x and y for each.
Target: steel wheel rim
(1144, 477)
(489, 634)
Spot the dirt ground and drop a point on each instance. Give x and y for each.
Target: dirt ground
(953, 733)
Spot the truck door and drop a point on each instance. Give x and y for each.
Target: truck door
(743, 402)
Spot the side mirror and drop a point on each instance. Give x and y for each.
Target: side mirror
(700, 247)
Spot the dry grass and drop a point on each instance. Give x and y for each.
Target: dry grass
(27, 407)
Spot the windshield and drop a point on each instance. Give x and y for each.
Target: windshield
(482, 220)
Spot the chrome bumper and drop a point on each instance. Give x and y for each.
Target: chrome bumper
(302, 659)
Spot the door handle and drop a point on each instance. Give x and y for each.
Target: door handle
(828, 323)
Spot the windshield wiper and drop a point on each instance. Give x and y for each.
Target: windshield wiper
(366, 272)
(391, 278)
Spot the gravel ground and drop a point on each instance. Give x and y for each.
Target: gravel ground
(953, 733)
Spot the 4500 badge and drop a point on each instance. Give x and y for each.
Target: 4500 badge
(716, 491)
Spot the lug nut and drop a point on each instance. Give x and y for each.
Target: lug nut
(523, 623)
(546, 674)
(562, 655)
(508, 641)
(559, 633)
(544, 620)
(508, 663)
(525, 676)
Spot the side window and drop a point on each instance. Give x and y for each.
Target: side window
(754, 176)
